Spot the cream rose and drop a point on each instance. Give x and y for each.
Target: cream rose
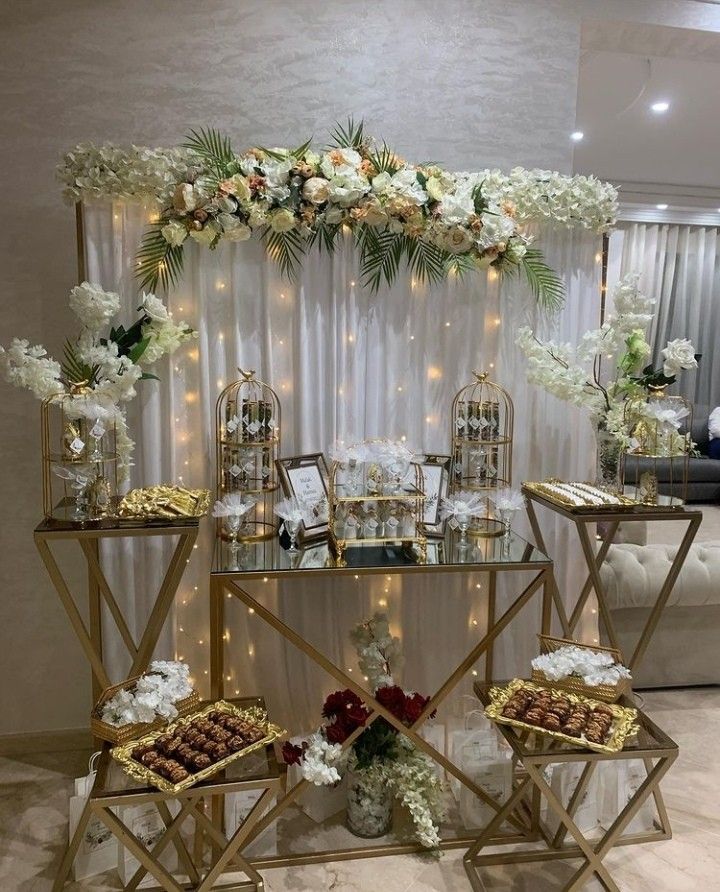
(184, 197)
(316, 190)
(204, 236)
(174, 233)
(238, 186)
(281, 220)
(434, 188)
(679, 354)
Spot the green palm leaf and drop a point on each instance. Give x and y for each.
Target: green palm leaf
(381, 252)
(545, 284)
(324, 236)
(286, 249)
(74, 370)
(157, 260)
(426, 261)
(384, 160)
(214, 149)
(349, 135)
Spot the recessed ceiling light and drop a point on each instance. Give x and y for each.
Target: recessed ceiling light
(661, 207)
(660, 107)
(577, 135)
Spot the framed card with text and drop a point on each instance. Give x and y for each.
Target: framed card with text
(436, 476)
(306, 478)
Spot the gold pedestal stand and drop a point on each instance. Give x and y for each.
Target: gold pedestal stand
(91, 639)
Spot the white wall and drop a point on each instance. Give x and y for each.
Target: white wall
(468, 83)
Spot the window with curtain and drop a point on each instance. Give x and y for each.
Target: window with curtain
(680, 267)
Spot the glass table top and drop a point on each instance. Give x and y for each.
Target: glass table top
(442, 554)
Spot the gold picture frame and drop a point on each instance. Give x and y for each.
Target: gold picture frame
(305, 477)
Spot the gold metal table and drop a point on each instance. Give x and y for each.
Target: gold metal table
(88, 538)
(534, 752)
(267, 560)
(212, 854)
(609, 520)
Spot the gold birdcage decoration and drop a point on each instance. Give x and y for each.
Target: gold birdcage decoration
(374, 506)
(654, 470)
(481, 436)
(248, 444)
(79, 458)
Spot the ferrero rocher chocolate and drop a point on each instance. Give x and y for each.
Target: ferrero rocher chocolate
(165, 501)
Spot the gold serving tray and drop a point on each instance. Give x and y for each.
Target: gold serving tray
(255, 715)
(623, 726)
(163, 504)
(542, 489)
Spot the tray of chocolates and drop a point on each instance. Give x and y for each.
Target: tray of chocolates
(581, 498)
(197, 746)
(572, 718)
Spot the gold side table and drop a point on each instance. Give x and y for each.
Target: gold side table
(534, 752)
(612, 518)
(91, 640)
(212, 854)
(269, 561)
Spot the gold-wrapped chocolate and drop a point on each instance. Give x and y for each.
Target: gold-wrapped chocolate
(165, 501)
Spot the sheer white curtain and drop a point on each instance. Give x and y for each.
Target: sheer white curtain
(344, 363)
(680, 267)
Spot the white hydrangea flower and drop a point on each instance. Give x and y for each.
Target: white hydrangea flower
(93, 306)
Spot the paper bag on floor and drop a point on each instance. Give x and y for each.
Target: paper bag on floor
(238, 806)
(564, 780)
(621, 781)
(98, 850)
(144, 822)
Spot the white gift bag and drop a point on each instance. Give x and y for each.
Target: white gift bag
(238, 806)
(97, 851)
(145, 823)
(621, 781)
(565, 777)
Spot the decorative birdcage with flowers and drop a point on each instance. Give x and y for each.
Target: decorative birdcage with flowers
(79, 456)
(248, 445)
(482, 436)
(655, 467)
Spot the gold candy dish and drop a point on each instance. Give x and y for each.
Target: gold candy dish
(260, 734)
(164, 504)
(622, 727)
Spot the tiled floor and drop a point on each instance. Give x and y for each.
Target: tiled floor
(35, 788)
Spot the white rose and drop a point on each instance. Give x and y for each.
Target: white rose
(381, 183)
(679, 354)
(316, 190)
(281, 220)
(233, 229)
(184, 198)
(154, 308)
(174, 233)
(204, 236)
(434, 189)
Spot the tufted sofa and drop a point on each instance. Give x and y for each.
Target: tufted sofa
(684, 649)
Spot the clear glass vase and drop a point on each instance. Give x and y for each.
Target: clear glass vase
(369, 805)
(607, 473)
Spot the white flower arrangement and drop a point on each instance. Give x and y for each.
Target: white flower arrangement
(573, 373)
(508, 499)
(461, 504)
(383, 761)
(233, 504)
(593, 667)
(99, 372)
(154, 695)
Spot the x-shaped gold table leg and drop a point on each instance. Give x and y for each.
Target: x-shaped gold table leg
(543, 578)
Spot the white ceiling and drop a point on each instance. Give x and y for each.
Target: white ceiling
(674, 157)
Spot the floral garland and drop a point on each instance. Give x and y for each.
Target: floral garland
(429, 219)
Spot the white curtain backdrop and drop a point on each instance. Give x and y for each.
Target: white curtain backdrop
(680, 267)
(344, 363)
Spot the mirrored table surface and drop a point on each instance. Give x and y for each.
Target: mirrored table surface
(269, 558)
